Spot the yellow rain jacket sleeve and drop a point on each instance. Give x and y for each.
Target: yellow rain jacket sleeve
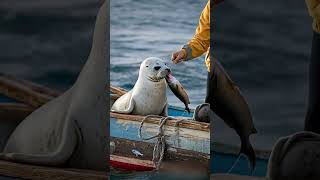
(200, 42)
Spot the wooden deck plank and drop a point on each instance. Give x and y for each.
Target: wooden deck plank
(177, 137)
(131, 163)
(18, 110)
(123, 148)
(117, 90)
(40, 172)
(185, 124)
(31, 85)
(25, 91)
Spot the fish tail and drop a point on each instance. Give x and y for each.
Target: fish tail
(187, 109)
(247, 149)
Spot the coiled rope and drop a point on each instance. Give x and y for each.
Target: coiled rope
(160, 145)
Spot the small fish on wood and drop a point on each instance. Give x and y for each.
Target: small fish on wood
(137, 153)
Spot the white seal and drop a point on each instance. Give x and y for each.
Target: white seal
(148, 96)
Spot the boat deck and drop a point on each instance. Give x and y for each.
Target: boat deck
(23, 92)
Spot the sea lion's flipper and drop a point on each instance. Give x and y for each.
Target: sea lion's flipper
(247, 149)
(165, 111)
(70, 139)
(124, 104)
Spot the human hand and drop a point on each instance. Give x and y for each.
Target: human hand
(314, 11)
(179, 56)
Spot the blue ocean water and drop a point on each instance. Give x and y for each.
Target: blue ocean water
(142, 28)
(46, 41)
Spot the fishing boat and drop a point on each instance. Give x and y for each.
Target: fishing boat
(224, 158)
(188, 140)
(18, 99)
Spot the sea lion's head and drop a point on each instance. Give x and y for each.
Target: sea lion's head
(295, 157)
(202, 113)
(154, 69)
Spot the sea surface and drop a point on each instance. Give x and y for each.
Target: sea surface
(263, 46)
(46, 41)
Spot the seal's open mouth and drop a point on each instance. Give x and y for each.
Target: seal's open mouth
(169, 77)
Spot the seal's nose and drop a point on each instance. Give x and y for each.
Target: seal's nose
(157, 68)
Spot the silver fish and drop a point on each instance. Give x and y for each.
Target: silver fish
(137, 153)
(231, 106)
(178, 90)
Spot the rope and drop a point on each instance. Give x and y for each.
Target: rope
(160, 145)
(234, 164)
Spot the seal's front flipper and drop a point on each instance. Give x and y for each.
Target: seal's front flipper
(165, 111)
(70, 139)
(124, 104)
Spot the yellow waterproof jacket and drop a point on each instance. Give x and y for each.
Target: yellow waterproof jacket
(200, 43)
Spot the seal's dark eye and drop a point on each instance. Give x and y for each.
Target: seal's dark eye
(157, 68)
(147, 66)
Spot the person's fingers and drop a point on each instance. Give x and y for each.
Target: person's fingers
(174, 56)
(312, 6)
(180, 56)
(176, 60)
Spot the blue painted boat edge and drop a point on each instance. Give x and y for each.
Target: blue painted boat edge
(122, 128)
(176, 111)
(179, 108)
